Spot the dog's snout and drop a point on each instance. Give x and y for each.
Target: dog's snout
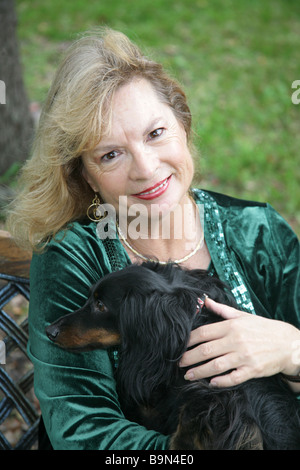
(52, 332)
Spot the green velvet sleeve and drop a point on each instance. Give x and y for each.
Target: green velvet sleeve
(77, 392)
(284, 285)
(266, 252)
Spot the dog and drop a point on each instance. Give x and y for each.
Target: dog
(148, 311)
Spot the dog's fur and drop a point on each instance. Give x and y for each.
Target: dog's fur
(149, 311)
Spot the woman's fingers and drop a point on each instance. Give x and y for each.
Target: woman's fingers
(235, 377)
(214, 367)
(222, 310)
(214, 330)
(241, 347)
(206, 333)
(217, 348)
(204, 352)
(221, 365)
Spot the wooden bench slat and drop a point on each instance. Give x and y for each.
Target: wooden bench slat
(13, 259)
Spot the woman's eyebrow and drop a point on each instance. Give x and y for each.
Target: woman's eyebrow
(152, 126)
(108, 147)
(103, 149)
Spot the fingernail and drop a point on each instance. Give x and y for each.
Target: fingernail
(189, 376)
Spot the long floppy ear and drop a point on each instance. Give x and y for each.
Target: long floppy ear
(154, 331)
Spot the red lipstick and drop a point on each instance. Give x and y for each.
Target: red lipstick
(155, 191)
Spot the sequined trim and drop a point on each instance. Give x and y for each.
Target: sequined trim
(114, 357)
(214, 230)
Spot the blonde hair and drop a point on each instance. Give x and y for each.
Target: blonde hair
(75, 116)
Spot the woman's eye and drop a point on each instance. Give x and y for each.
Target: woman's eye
(110, 155)
(156, 133)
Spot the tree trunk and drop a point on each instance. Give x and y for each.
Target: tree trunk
(16, 123)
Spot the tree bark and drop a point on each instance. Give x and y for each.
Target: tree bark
(16, 123)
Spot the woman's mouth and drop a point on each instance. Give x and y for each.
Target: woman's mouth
(154, 191)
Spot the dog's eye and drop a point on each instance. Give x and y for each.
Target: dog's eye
(100, 306)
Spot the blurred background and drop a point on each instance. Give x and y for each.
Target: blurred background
(237, 61)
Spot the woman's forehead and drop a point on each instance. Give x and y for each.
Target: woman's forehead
(135, 109)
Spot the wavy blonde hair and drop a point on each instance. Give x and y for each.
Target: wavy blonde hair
(75, 117)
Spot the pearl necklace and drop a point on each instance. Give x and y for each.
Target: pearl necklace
(176, 261)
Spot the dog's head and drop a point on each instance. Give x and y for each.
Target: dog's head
(94, 326)
(149, 310)
(131, 299)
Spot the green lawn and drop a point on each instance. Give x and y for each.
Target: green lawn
(237, 61)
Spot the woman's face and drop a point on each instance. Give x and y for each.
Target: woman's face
(145, 156)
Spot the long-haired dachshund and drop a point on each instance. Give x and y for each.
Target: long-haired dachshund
(149, 311)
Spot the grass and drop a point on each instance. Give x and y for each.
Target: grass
(236, 60)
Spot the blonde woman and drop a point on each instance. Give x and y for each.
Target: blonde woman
(115, 135)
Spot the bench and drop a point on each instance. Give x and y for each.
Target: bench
(19, 408)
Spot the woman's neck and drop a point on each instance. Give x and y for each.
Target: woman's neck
(173, 237)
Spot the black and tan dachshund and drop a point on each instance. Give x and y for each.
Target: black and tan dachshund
(149, 311)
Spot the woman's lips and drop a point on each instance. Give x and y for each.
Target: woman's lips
(154, 191)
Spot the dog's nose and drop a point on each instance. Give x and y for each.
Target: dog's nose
(52, 332)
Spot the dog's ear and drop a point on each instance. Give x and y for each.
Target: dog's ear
(155, 330)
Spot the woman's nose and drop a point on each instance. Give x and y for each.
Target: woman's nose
(144, 163)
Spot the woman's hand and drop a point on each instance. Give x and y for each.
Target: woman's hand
(245, 345)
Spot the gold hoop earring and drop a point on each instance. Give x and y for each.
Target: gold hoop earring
(94, 212)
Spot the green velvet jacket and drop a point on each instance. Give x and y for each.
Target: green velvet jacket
(252, 249)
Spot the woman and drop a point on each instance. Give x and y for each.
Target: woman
(115, 132)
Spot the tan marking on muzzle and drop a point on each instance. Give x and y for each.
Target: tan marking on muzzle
(72, 338)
